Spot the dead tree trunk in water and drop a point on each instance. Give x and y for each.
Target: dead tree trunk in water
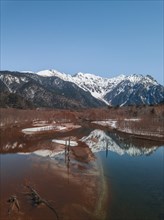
(13, 203)
(37, 199)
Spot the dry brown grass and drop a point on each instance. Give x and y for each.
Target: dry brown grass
(152, 117)
(13, 116)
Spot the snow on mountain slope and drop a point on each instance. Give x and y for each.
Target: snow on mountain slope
(136, 90)
(26, 71)
(10, 80)
(83, 89)
(96, 85)
(51, 73)
(45, 73)
(107, 89)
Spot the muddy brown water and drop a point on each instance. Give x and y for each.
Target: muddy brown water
(109, 176)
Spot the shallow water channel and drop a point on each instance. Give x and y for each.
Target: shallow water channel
(110, 176)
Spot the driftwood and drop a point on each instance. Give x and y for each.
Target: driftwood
(13, 204)
(37, 200)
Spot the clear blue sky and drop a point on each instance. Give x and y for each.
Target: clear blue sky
(106, 38)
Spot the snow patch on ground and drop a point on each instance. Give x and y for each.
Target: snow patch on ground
(132, 119)
(110, 123)
(113, 124)
(14, 145)
(65, 142)
(44, 128)
(39, 123)
(142, 133)
(54, 126)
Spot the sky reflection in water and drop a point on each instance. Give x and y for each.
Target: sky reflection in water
(133, 171)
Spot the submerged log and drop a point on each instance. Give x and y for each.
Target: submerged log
(37, 199)
(13, 204)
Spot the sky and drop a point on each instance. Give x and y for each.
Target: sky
(106, 38)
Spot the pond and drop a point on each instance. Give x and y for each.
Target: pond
(103, 175)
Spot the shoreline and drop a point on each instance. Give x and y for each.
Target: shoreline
(147, 135)
(100, 210)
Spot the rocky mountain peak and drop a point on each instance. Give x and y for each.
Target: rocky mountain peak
(83, 89)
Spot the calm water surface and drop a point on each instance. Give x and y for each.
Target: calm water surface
(107, 176)
(135, 185)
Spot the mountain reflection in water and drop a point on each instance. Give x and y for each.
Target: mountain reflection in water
(103, 175)
(99, 140)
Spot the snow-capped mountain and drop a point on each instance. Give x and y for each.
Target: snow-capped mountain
(121, 90)
(136, 90)
(98, 140)
(96, 85)
(42, 91)
(51, 88)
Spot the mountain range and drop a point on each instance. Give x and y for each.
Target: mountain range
(53, 89)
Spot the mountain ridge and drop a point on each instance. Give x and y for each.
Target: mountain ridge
(102, 88)
(97, 85)
(82, 89)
